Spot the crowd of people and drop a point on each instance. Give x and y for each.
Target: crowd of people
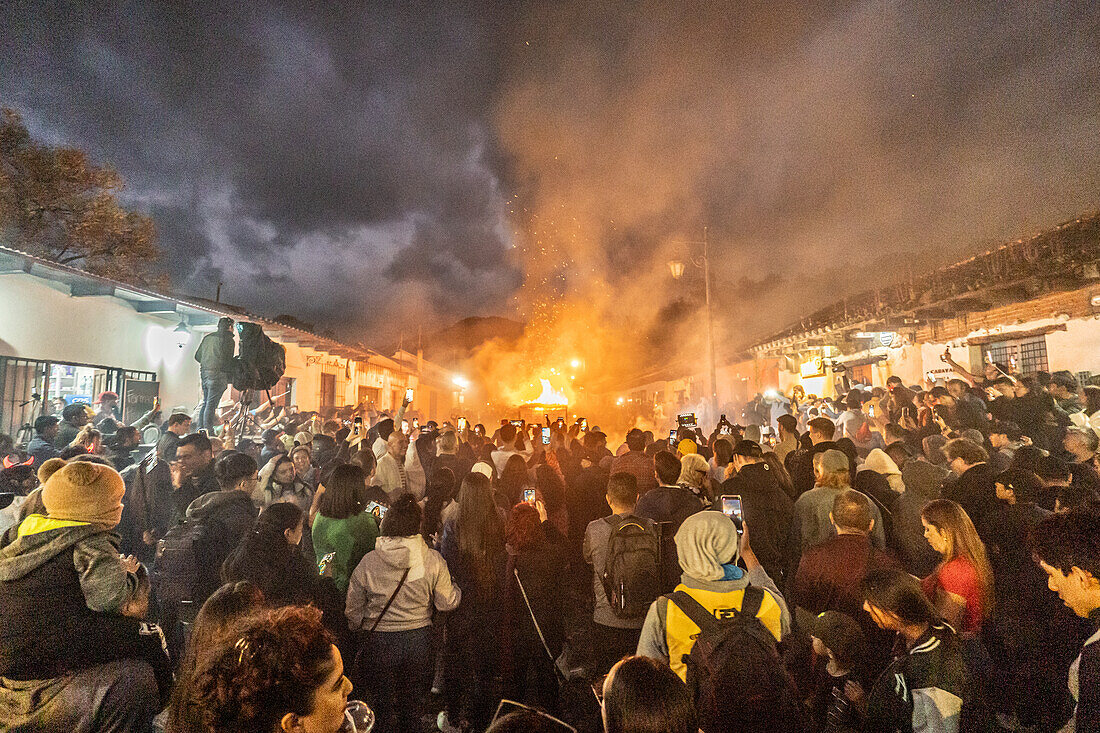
(904, 558)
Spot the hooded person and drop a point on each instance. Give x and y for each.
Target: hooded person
(391, 597)
(708, 549)
(879, 462)
(67, 560)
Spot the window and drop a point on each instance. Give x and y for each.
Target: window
(862, 374)
(328, 390)
(29, 388)
(1022, 356)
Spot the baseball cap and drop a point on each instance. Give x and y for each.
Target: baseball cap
(834, 461)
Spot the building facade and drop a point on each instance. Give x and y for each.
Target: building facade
(67, 334)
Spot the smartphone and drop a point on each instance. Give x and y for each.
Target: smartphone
(584, 423)
(672, 437)
(416, 423)
(405, 427)
(409, 394)
(546, 436)
(870, 410)
(357, 425)
(529, 496)
(731, 507)
(461, 423)
(378, 510)
(517, 423)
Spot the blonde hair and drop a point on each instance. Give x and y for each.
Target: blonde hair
(86, 438)
(962, 539)
(693, 468)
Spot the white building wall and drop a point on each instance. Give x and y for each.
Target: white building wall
(38, 321)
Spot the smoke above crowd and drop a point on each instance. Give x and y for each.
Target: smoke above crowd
(389, 167)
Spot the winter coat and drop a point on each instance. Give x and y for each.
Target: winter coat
(62, 588)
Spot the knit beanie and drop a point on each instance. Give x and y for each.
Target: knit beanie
(81, 491)
(687, 447)
(705, 542)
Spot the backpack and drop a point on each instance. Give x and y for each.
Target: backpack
(179, 576)
(632, 574)
(261, 362)
(734, 672)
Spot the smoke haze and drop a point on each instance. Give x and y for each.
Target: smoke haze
(381, 167)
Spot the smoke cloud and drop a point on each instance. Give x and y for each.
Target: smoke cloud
(381, 167)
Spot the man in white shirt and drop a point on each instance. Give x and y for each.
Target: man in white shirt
(391, 473)
(508, 438)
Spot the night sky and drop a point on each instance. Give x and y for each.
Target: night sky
(374, 166)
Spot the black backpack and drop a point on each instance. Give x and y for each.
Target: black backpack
(734, 671)
(260, 363)
(632, 574)
(179, 576)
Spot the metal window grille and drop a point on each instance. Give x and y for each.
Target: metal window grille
(21, 379)
(1028, 355)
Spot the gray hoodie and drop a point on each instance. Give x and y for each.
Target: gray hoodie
(378, 574)
(106, 585)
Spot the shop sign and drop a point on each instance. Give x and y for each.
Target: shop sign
(138, 397)
(813, 367)
(885, 338)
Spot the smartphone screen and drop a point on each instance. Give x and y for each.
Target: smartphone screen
(409, 394)
(461, 423)
(731, 507)
(405, 427)
(378, 510)
(672, 437)
(416, 423)
(871, 410)
(546, 436)
(584, 423)
(529, 496)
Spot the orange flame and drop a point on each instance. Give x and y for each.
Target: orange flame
(549, 396)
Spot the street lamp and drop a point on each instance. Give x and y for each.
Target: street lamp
(676, 269)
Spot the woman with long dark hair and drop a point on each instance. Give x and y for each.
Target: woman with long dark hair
(268, 557)
(512, 482)
(283, 484)
(342, 531)
(928, 685)
(473, 545)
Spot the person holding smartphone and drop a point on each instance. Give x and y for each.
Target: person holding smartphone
(766, 505)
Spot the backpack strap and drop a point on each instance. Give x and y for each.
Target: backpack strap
(752, 600)
(694, 610)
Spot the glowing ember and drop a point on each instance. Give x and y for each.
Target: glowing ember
(549, 396)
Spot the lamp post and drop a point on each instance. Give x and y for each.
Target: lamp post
(676, 268)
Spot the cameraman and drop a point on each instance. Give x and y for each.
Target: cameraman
(214, 355)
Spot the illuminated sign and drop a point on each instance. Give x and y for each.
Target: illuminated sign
(886, 338)
(814, 367)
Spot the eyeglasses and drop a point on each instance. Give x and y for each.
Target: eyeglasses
(501, 712)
